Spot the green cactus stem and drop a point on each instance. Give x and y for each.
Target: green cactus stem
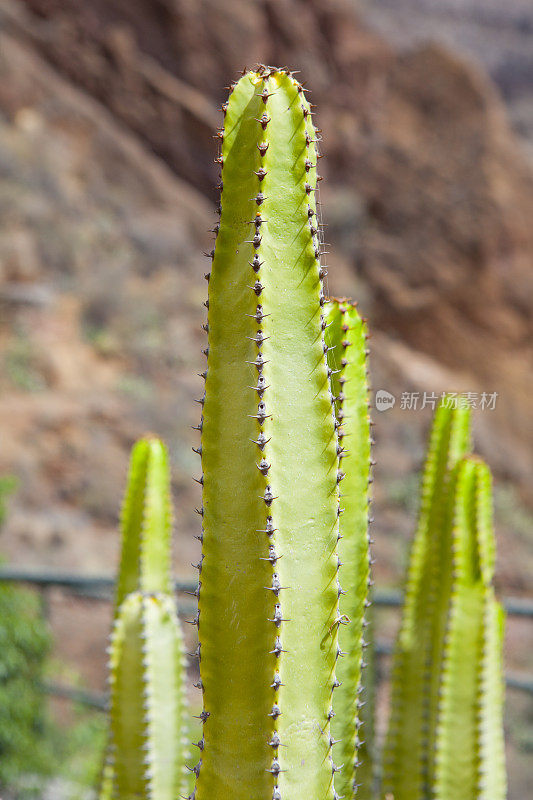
(346, 337)
(408, 763)
(147, 700)
(145, 523)
(469, 739)
(268, 593)
(145, 756)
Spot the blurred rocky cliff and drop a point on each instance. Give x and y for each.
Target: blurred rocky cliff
(428, 197)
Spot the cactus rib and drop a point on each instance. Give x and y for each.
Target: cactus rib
(346, 337)
(268, 592)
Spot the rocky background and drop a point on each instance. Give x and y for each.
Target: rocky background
(107, 113)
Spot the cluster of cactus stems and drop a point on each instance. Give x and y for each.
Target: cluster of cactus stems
(269, 589)
(445, 737)
(147, 750)
(285, 568)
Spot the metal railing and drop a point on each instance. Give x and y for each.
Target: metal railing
(100, 587)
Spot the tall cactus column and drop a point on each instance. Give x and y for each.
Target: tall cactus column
(268, 590)
(346, 336)
(147, 752)
(414, 685)
(469, 748)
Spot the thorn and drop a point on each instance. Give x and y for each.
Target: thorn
(275, 769)
(259, 362)
(261, 385)
(268, 497)
(258, 316)
(259, 338)
(273, 558)
(263, 121)
(199, 565)
(263, 466)
(196, 769)
(276, 683)
(261, 441)
(255, 264)
(275, 740)
(257, 287)
(269, 529)
(276, 585)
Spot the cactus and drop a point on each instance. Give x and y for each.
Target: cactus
(469, 750)
(268, 592)
(444, 678)
(285, 384)
(145, 523)
(146, 754)
(346, 337)
(414, 691)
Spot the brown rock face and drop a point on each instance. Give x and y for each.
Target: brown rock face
(437, 217)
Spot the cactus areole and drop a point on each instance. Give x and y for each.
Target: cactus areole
(268, 590)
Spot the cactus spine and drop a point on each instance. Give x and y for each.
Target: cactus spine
(268, 592)
(147, 752)
(346, 337)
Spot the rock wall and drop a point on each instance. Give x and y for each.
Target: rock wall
(428, 197)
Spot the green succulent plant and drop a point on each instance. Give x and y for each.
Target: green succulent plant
(147, 750)
(268, 591)
(285, 566)
(346, 337)
(445, 729)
